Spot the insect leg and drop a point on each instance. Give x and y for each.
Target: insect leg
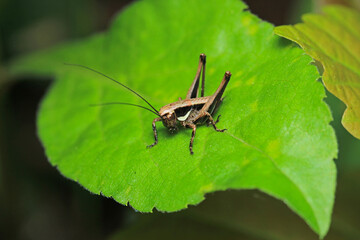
(213, 101)
(216, 108)
(155, 132)
(203, 74)
(213, 123)
(193, 90)
(193, 126)
(217, 119)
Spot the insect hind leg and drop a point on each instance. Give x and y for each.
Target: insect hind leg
(193, 91)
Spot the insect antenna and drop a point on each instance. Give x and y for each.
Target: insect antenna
(123, 103)
(102, 74)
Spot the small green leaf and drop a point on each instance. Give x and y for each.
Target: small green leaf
(333, 39)
(279, 139)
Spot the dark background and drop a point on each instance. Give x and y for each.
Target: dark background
(36, 202)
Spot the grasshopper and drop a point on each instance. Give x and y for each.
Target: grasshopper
(188, 112)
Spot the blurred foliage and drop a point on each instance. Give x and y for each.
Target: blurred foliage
(333, 39)
(319, 4)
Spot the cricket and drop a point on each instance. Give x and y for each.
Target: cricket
(188, 112)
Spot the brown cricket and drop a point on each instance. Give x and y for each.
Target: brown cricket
(189, 112)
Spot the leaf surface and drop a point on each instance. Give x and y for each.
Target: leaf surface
(333, 39)
(278, 140)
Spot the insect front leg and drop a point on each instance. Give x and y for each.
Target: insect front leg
(213, 123)
(155, 132)
(193, 126)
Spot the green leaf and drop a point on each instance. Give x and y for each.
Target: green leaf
(333, 39)
(279, 139)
